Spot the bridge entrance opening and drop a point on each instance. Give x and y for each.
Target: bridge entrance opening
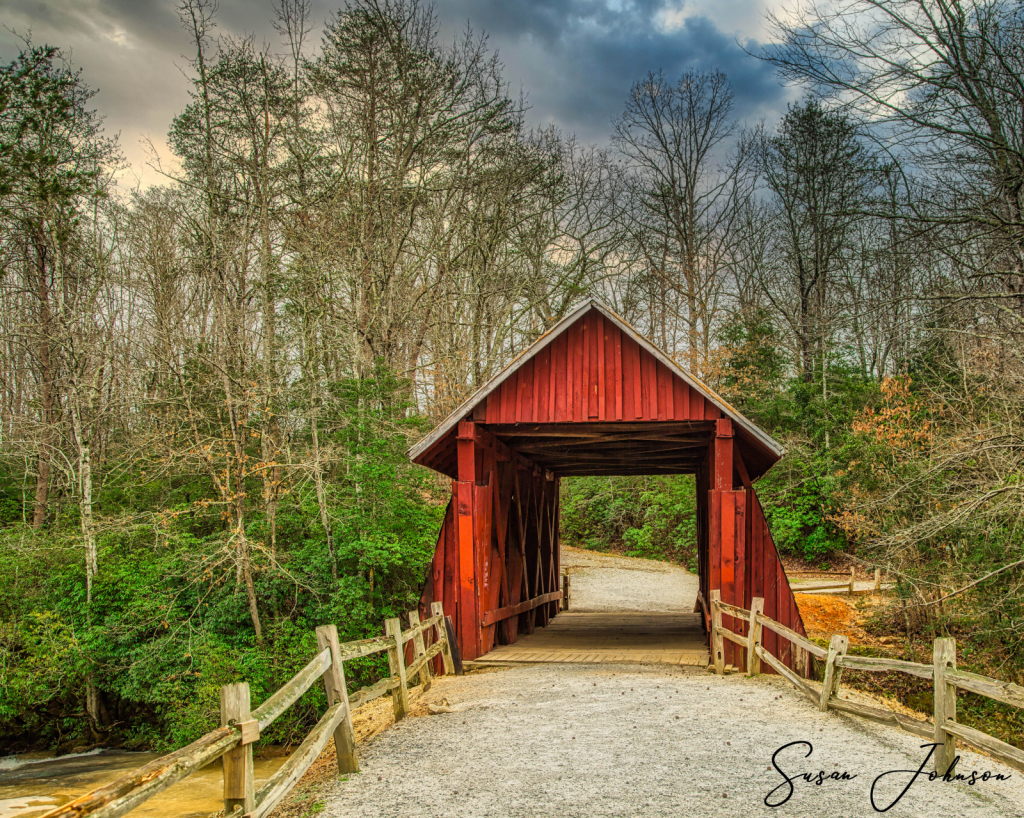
(594, 397)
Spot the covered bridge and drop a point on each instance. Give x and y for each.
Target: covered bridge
(592, 397)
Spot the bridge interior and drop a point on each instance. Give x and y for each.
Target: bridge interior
(622, 609)
(626, 637)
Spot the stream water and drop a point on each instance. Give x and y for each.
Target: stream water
(31, 784)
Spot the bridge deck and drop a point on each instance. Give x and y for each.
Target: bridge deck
(616, 636)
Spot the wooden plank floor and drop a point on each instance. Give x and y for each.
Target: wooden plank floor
(622, 637)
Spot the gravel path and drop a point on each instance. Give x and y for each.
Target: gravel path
(641, 740)
(589, 740)
(602, 582)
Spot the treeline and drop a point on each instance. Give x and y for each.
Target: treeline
(208, 386)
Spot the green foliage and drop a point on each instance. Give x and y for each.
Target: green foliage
(168, 624)
(797, 496)
(650, 517)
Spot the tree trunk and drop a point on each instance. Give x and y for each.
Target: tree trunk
(321, 497)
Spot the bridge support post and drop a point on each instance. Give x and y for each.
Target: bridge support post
(468, 611)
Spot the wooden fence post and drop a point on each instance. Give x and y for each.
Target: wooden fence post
(853, 574)
(943, 659)
(419, 648)
(565, 590)
(396, 665)
(754, 636)
(837, 646)
(441, 635)
(717, 641)
(239, 786)
(878, 579)
(337, 691)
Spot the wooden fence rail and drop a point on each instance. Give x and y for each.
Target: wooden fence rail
(944, 729)
(241, 727)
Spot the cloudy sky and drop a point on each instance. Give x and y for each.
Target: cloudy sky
(574, 59)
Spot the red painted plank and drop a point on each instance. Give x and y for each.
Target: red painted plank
(552, 385)
(748, 563)
(524, 400)
(586, 333)
(664, 390)
(739, 566)
(728, 551)
(541, 376)
(646, 385)
(468, 618)
(755, 549)
(437, 562)
(636, 377)
(651, 370)
(482, 551)
(593, 352)
(771, 605)
(696, 405)
(451, 560)
(678, 398)
(715, 539)
(493, 405)
(601, 382)
(711, 411)
(618, 379)
(782, 595)
(509, 390)
(628, 374)
(579, 392)
(563, 379)
(722, 479)
(570, 377)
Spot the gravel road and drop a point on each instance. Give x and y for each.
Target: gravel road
(603, 582)
(652, 740)
(595, 740)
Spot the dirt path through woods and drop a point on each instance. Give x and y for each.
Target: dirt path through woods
(607, 582)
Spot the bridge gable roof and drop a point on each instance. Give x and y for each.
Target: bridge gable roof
(757, 446)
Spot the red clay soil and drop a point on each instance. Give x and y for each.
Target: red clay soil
(826, 614)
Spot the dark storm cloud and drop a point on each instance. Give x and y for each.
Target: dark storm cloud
(575, 59)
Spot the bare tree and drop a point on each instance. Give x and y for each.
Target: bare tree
(688, 173)
(820, 177)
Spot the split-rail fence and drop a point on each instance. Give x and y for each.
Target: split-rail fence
(241, 726)
(943, 730)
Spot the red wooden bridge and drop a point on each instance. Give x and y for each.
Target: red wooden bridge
(593, 397)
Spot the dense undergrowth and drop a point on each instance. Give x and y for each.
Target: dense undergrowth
(168, 623)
